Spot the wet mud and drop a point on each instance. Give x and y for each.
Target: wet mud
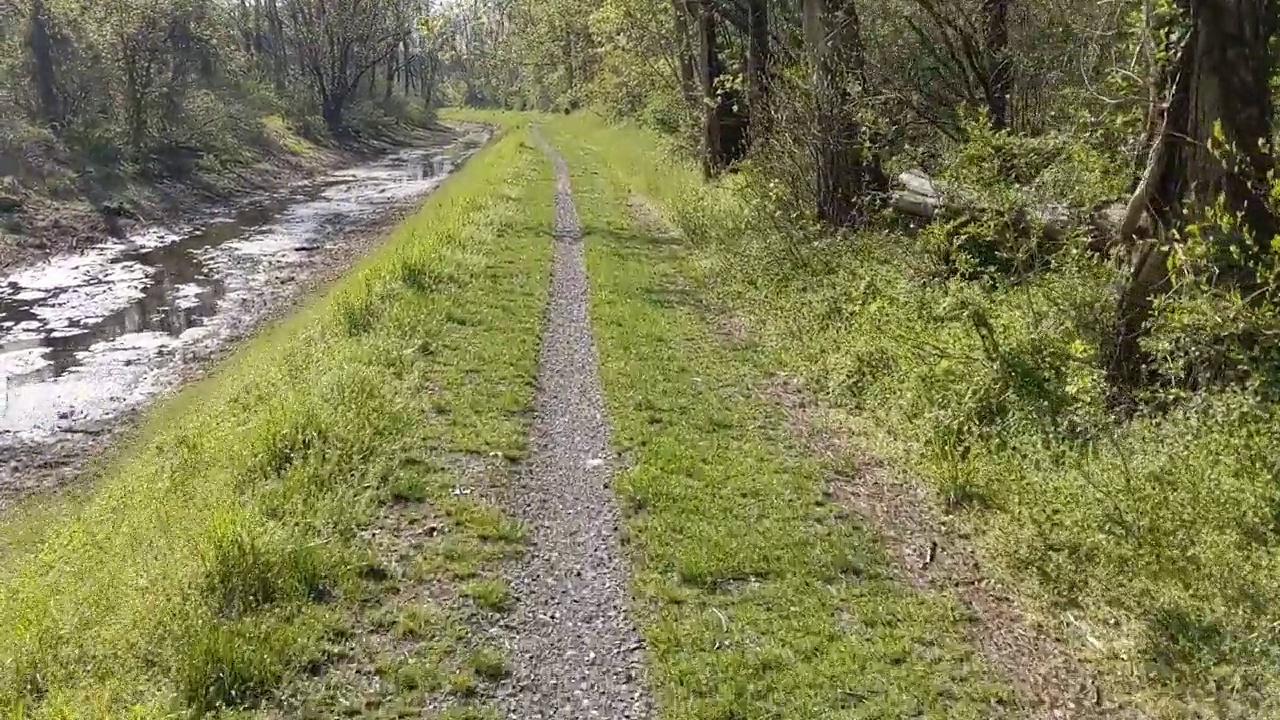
(89, 338)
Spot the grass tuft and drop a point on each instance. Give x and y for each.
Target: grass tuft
(463, 683)
(245, 570)
(231, 664)
(488, 663)
(420, 620)
(488, 594)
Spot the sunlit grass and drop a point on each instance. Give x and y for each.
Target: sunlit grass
(278, 130)
(757, 598)
(217, 557)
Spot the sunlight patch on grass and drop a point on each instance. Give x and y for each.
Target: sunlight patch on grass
(282, 135)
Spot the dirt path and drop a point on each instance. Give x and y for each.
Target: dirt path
(934, 554)
(575, 652)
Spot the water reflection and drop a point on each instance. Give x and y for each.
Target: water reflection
(82, 335)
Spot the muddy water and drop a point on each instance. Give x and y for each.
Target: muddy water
(89, 336)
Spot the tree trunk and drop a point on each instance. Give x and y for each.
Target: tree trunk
(406, 66)
(571, 75)
(279, 54)
(392, 62)
(331, 110)
(42, 64)
(682, 11)
(724, 130)
(258, 45)
(136, 101)
(246, 30)
(713, 160)
(1217, 78)
(1000, 71)
(843, 164)
(758, 52)
(429, 65)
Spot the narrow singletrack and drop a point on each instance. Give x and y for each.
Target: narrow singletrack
(575, 653)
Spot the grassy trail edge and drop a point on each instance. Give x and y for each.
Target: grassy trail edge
(203, 569)
(757, 597)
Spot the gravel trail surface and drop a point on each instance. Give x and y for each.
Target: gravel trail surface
(575, 652)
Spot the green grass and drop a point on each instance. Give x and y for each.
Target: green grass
(1152, 545)
(420, 620)
(224, 552)
(488, 594)
(758, 599)
(302, 519)
(27, 523)
(278, 131)
(488, 663)
(505, 119)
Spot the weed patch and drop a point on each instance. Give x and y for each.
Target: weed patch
(488, 594)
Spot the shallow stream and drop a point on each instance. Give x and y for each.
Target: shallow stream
(88, 336)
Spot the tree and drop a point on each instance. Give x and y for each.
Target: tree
(758, 58)
(41, 47)
(714, 112)
(1000, 74)
(1214, 146)
(681, 12)
(339, 43)
(844, 166)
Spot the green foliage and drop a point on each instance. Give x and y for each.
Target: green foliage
(999, 181)
(1032, 168)
(1219, 322)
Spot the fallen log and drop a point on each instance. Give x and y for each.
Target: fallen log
(917, 195)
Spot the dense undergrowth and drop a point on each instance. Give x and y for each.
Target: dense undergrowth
(1150, 542)
(218, 560)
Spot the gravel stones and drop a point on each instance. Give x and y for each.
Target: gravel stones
(574, 651)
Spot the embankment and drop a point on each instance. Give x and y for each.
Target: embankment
(221, 552)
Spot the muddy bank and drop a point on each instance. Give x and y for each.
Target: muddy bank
(76, 207)
(89, 338)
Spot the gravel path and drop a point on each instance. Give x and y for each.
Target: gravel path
(574, 651)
